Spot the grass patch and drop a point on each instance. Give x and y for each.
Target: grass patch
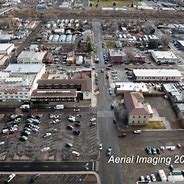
(110, 3)
(110, 45)
(156, 125)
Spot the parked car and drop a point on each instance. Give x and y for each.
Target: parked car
(76, 132)
(137, 131)
(148, 178)
(45, 149)
(92, 119)
(48, 134)
(153, 178)
(100, 147)
(109, 151)
(68, 145)
(70, 127)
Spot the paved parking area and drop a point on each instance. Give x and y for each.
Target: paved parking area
(85, 143)
(51, 178)
(134, 145)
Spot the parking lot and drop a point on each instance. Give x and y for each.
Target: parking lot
(49, 178)
(153, 140)
(49, 136)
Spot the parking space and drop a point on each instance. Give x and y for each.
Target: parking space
(49, 178)
(45, 136)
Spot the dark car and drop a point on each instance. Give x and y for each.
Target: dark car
(76, 132)
(77, 124)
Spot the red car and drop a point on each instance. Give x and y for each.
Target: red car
(122, 134)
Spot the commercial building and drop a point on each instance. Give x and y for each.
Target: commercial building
(138, 111)
(164, 57)
(164, 75)
(31, 57)
(6, 48)
(117, 56)
(18, 81)
(122, 87)
(51, 90)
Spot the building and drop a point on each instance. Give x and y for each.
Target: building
(164, 75)
(180, 44)
(138, 111)
(122, 87)
(164, 57)
(5, 38)
(117, 56)
(18, 81)
(49, 59)
(60, 90)
(6, 48)
(31, 57)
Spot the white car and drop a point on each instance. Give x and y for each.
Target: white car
(148, 178)
(45, 149)
(76, 110)
(48, 134)
(10, 177)
(100, 147)
(153, 178)
(71, 118)
(137, 131)
(142, 178)
(92, 119)
(2, 142)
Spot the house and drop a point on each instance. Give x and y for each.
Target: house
(31, 57)
(166, 75)
(138, 111)
(164, 57)
(117, 56)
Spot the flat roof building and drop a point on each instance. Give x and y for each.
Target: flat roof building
(122, 87)
(157, 75)
(6, 48)
(31, 57)
(164, 57)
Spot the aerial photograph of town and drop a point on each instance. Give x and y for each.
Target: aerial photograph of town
(92, 91)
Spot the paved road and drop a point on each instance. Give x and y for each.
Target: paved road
(46, 166)
(107, 132)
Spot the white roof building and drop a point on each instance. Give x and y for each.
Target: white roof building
(164, 57)
(31, 57)
(6, 48)
(156, 75)
(122, 87)
(18, 81)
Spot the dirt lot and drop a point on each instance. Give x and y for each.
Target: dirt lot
(164, 109)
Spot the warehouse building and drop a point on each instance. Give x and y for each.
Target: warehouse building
(6, 48)
(164, 75)
(18, 81)
(31, 57)
(164, 57)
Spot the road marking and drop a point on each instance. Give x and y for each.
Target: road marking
(25, 166)
(45, 166)
(6, 166)
(112, 179)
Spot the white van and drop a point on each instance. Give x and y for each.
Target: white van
(59, 107)
(75, 153)
(10, 177)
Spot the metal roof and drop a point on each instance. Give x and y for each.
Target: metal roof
(24, 68)
(157, 72)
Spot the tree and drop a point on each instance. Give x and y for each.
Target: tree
(165, 39)
(90, 4)
(96, 5)
(114, 4)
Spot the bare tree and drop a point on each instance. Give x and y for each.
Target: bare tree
(165, 39)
